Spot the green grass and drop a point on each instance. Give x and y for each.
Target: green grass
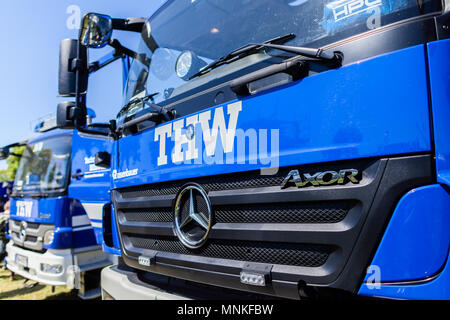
(15, 290)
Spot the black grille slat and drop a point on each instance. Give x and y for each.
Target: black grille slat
(148, 215)
(273, 253)
(31, 238)
(249, 180)
(30, 225)
(28, 238)
(320, 212)
(284, 213)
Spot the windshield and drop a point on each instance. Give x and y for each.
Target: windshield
(44, 166)
(209, 29)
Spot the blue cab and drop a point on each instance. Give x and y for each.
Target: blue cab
(297, 149)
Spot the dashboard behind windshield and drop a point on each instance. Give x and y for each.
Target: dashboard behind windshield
(209, 29)
(44, 166)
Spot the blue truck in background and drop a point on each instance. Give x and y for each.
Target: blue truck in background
(5, 191)
(56, 208)
(284, 148)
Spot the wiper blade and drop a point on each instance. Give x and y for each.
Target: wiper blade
(136, 100)
(241, 52)
(297, 67)
(163, 113)
(158, 115)
(314, 53)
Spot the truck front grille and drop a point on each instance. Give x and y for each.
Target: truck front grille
(318, 235)
(265, 227)
(34, 234)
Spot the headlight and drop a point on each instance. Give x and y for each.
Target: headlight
(184, 64)
(48, 237)
(188, 64)
(49, 268)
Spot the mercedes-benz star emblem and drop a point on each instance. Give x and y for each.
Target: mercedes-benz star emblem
(23, 231)
(192, 216)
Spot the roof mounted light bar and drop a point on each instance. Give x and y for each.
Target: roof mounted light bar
(45, 123)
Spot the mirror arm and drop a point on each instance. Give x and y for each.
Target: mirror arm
(5, 150)
(76, 64)
(129, 24)
(97, 65)
(15, 155)
(121, 50)
(76, 114)
(17, 144)
(94, 132)
(111, 126)
(101, 125)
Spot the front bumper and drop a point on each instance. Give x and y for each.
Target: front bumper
(118, 285)
(33, 271)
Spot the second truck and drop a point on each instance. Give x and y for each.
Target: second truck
(57, 203)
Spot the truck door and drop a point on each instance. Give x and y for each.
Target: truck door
(89, 188)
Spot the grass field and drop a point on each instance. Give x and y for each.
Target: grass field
(14, 290)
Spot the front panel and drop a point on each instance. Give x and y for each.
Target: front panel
(301, 179)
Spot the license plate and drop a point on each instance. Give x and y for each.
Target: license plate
(22, 260)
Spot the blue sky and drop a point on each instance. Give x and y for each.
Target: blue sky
(31, 32)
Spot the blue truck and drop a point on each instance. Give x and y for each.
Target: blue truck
(285, 148)
(56, 208)
(5, 191)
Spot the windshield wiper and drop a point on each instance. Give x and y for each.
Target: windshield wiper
(137, 100)
(163, 112)
(239, 53)
(334, 58)
(158, 115)
(314, 53)
(293, 68)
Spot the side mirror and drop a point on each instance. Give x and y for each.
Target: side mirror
(4, 153)
(96, 30)
(103, 159)
(69, 63)
(68, 116)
